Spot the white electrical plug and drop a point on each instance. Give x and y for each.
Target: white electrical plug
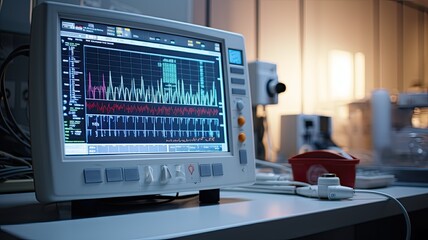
(328, 188)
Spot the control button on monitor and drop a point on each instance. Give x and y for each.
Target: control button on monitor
(217, 169)
(114, 174)
(238, 91)
(237, 70)
(192, 173)
(92, 175)
(165, 175)
(240, 81)
(242, 137)
(241, 121)
(243, 156)
(240, 105)
(205, 170)
(180, 175)
(131, 174)
(148, 174)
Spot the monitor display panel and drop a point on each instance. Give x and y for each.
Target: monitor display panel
(124, 104)
(127, 90)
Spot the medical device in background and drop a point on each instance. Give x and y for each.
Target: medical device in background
(303, 132)
(264, 83)
(129, 105)
(265, 88)
(410, 127)
(394, 128)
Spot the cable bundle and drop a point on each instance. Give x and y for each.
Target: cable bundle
(15, 162)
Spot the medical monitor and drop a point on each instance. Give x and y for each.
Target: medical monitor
(127, 105)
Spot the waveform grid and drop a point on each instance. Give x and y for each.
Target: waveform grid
(102, 107)
(100, 126)
(158, 93)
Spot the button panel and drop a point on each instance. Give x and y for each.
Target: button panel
(172, 174)
(158, 175)
(238, 78)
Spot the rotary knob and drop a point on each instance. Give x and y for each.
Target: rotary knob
(165, 174)
(239, 105)
(242, 137)
(241, 121)
(148, 174)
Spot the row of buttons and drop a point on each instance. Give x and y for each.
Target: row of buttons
(239, 104)
(93, 175)
(241, 81)
(216, 169)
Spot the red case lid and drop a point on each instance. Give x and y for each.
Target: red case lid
(322, 155)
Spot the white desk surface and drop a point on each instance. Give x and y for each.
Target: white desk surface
(239, 215)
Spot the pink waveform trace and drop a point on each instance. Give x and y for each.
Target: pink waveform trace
(93, 90)
(152, 110)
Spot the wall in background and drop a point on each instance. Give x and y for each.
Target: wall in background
(329, 53)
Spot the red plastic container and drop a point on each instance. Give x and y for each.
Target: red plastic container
(307, 167)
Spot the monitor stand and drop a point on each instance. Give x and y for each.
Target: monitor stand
(210, 196)
(113, 206)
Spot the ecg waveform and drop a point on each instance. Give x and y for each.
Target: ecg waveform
(130, 108)
(152, 129)
(160, 92)
(152, 97)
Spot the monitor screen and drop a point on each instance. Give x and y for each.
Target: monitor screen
(128, 90)
(124, 105)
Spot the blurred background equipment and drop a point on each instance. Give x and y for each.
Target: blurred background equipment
(410, 128)
(264, 91)
(264, 83)
(302, 133)
(394, 128)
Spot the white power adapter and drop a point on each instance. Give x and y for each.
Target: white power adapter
(328, 187)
